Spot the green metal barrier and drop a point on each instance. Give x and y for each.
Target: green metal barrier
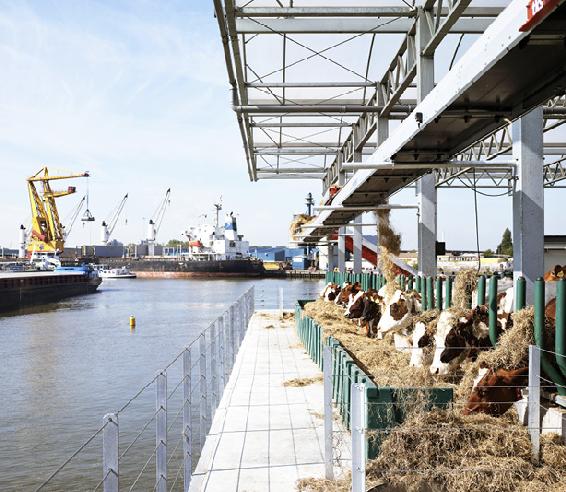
(429, 293)
(481, 290)
(520, 293)
(448, 299)
(438, 303)
(545, 361)
(492, 309)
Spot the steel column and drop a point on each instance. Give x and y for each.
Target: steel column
(528, 200)
(426, 186)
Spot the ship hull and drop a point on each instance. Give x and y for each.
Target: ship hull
(20, 291)
(191, 269)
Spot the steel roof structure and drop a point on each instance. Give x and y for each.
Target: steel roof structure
(373, 130)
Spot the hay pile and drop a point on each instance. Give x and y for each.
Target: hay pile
(389, 245)
(298, 221)
(298, 382)
(378, 358)
(464, 285)
(442, 450)
(458, 453)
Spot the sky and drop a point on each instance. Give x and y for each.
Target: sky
(136, 92)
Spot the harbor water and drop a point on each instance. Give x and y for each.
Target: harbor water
(66, 364)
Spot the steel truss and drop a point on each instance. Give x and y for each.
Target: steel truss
(323, 135)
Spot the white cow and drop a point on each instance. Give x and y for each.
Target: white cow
(397, 314)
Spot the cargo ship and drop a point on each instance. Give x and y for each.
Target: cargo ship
(213, 250)
(19, 289)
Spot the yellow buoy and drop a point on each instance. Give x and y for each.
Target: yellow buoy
(132, 321)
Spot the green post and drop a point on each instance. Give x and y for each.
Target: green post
(546, 365)
(402, 282)
(418, 284)
(481, 290)
(429, 293)
(492, 309)
(438, 304)
(560, 337)
(520, 294)
(410, 283)
(422, 286)
(448, 299)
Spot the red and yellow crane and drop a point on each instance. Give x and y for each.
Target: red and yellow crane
(47, 232)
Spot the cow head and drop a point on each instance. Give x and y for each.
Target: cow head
(446, 321)
(355, 306)
(496, 391)
(343, 297)
(397, 314)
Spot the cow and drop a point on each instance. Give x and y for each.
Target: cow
(348, 288)
(398, 313)
(462, 338)
(330, 291)
(422, 337)
(550, 279)
(366, 307)
(496, 391)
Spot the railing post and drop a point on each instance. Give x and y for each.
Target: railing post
(203, 389)
(241, 316)
(481, 291)
(213, 371)
(534, 402)
(110, 453)
(161, 433)
(187, 427)
(328, 450)
(438, 298)
(358, 427)
(520, 293)
(221, 356)
(233, 348)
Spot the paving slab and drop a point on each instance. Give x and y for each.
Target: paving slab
(265, 435)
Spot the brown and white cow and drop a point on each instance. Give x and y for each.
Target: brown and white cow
(398, 313)
(496, 391)
(330, 291)
(348, 289)
(422, 338)
(366, 308)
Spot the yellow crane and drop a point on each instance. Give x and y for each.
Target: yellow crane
(47, 232)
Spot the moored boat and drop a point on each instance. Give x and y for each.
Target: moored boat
(18, 289)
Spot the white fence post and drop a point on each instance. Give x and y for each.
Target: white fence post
(161, 433)
(358, 437)
(281, 302)
(187, 433)
(328, 450)
(222, 355)
(110, 453)
(203, 390)
(213, 371)
(232, 337)
(534, 402)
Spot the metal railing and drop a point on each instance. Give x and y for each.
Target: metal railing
(206, 364)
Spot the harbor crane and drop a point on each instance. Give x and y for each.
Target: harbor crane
(47, 231)
(156, 221)
(73, 217)
(107, 226)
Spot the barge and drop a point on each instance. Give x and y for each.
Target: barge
(19, 289)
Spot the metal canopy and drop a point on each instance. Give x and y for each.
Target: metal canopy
(301, 122)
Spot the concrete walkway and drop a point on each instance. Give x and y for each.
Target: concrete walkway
(265, 435)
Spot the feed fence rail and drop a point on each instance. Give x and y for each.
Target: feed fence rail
(183, 411)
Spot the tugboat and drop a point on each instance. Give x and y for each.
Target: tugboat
(214, 250)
